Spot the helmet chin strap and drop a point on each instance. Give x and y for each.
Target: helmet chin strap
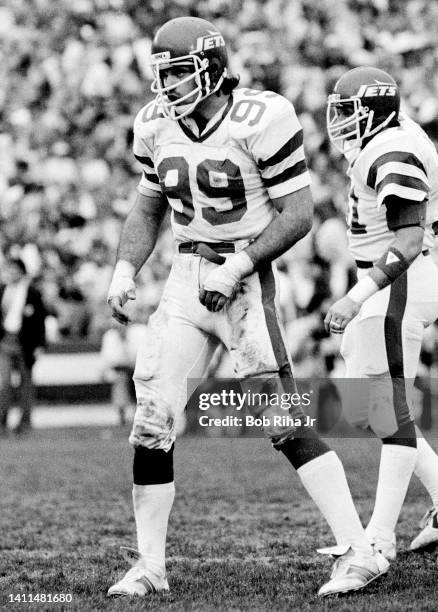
(220, 81)
(369, 132)
(351, 152)
(207, 85)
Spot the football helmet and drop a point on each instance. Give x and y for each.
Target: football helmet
(192, 42)
(364, 101)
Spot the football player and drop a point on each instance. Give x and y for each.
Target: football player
(230, 163)
(393, 201)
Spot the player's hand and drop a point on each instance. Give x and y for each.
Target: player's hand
(221, 280)
(340, 314)
(221, 283)
(121, 290)
(212, 300)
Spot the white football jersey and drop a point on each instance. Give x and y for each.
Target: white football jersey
(220, 184)
(400, 161)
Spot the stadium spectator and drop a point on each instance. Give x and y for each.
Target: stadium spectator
(22, 332)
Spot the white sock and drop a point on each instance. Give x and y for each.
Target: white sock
(396, 467)
(325, 481)
(152, 505)
(426, 467)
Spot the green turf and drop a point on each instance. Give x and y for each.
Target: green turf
(243, 533)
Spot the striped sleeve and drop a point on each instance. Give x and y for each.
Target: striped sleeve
(279, 153)
(401, 174)
(142, 149)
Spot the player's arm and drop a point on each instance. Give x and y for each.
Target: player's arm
(287, 228)
(137, 241)
(407, 220)
(399, 179)
(292, 224)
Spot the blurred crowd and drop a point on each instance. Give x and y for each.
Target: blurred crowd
(74, 75)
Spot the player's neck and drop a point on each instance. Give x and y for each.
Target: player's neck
(209, 107)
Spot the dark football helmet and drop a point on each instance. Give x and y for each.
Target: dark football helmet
(193, 42)
(364, 102)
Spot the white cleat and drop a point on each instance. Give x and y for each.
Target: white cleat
(138, 581)
(428, 536)
(353, 571)
(388, 548)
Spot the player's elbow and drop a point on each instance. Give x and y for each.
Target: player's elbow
(296, 214)
(413, 250)
(307, 223)
(305, 212)
(410, 242)
(303, 224)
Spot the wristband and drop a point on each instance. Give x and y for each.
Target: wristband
(363, 289)
(393, 264)
(239, 265)
(124, 268)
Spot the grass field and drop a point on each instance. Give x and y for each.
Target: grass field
(243, 533)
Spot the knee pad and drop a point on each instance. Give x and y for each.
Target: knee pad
(154, 423)
(152, 466)
(304, 448)
(276, 408)
(355, 411)
(404, 436)
(355, 399)
(387, 405)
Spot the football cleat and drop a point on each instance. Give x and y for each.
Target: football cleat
(387, 547)
(428, 536)
(353, 571)
(137, 581)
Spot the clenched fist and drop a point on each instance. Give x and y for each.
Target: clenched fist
(122, 289)
(221, 282)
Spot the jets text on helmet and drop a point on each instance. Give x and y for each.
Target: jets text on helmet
(203, 43)
(380, 89)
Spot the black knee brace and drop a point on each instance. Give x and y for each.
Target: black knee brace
(404, 436)
(307, 445)
(152, 466)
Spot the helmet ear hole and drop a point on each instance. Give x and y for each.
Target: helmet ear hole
(212, 74)
(213, 68)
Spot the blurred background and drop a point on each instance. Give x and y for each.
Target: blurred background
(73, 76)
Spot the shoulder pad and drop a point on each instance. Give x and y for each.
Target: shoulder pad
(255, 110)
(388, 141)
(392, 146)
(147, 117)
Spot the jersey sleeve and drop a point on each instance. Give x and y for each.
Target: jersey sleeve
(142, 147)
(279, 152)
(399, 176)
